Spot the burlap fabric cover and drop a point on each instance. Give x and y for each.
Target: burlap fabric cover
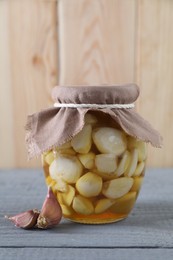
(54, 126)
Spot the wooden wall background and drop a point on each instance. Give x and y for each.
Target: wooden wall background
(45, 42)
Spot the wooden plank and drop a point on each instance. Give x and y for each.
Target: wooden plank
(147, 226)
(96, 40)
(29, 71)
(154, 72)
(83, 254)
(7, 122)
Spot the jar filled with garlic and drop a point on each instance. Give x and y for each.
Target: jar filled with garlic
(93, 147)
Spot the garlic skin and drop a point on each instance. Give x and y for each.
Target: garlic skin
(51, 212)
(26, 220)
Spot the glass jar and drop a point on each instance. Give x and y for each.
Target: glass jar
(97, 175)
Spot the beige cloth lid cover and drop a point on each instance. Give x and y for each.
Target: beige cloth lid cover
(54, 126)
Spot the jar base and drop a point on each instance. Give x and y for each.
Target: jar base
(96, 220)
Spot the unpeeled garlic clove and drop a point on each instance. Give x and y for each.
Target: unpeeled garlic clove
(26, 220)
(51, 212)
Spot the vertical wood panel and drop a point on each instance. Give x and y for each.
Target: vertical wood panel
(96, 41)
(101, 41)
(29, 41)
(6, 100)
(154, 72)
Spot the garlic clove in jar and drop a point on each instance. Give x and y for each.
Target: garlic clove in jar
(68, 151)
(89, 185)
(60, 185)
(67, 167)
(81, 142)
(137, 183)
(117, 188)
(66, 145)
(140, 146)
(66, 198)
(132, 164)
(109, 140)
(139, 169)
(103, 204)
(106, 163)
(124, 204)
(50, 182)
(67, 211)
(87, 160)
(49, 157)
(90, 119)
(82, 205)
(105, 176)
(123, 163)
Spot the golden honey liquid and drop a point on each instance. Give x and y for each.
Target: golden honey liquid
(103, 208)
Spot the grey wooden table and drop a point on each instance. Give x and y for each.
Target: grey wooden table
(146, 234)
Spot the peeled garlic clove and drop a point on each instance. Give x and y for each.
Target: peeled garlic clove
(51, 212)
(26, 220)
(105, 176)
(60, 185)
(67, 211)
(103, 204)
(81, 142)
(133, 163)
(123, 164)
(67, 167)
(69, 151)
(142, 151)
(109, 140)
(124, 204)
(82, 205)
(64, 146)
(137, 184)
(140, 146)
(106, 163)
(89, 185)
(117, 188)
(90, 119)
(50, 182)
(49, 157)
(139, 169)
(87, 160)
(66, 197)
